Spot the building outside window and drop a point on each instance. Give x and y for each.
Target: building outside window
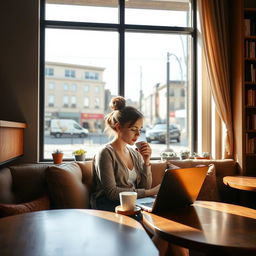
(86, 102)
(86, 88)
(91, 75)
(51, 100)
(129, 59)
(65, 87)
(73, 87)
(49, 71)
(73, 101)
(65, 101)
(51, 86)
(70, 73)
(97, 102)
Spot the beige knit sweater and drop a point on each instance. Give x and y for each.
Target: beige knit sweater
(111, 175)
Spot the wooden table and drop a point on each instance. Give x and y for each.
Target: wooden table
(241, 182)
(211, 227)
(73, 232)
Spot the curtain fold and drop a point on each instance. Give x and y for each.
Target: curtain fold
(215, 35)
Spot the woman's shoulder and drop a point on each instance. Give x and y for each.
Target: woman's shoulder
(105, 150)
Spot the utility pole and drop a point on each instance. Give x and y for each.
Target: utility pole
(168, 102)
(140, 88)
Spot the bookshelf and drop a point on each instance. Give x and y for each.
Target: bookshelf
(249, 59)
(243, 73)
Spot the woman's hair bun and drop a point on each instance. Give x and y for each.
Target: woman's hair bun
(117, 103)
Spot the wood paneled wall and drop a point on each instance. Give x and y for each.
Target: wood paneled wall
(11, 140)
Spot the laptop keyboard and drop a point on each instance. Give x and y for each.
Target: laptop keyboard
(147, 204)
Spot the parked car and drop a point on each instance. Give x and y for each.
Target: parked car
(158, 133)
(60, 127)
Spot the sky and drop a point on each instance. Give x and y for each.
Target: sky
(146, 54)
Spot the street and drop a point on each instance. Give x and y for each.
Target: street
(94, 141)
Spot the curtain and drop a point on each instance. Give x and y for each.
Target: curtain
(215, 36)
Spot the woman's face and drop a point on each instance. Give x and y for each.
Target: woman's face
(130, 134)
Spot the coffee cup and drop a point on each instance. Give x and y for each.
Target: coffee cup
(139, 144)
(128, 200)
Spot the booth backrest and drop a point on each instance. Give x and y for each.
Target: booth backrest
(69, 185)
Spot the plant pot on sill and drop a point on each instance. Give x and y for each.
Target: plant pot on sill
(57, 158)
(80, 157)
(202, 158)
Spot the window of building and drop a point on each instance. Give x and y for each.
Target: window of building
(51, 100)
(70, 73)
(86, 88)
(96, 89)
(65, 101)
(182, 92)
(146, 52)
(86, 102)
(96, 102)
(91, 75)
(51, 86)
(73, 87)
(65, 87)
(73, 101)
(49, 71)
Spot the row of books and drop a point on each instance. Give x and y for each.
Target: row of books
(250, 49)
(249, 27)
(251, 98)
(251, 121)
(250, 72)
(250, 144)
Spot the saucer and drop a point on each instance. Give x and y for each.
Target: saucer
(119, 209)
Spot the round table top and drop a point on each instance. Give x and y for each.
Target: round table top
(241, 182)
(208, 226)
(73, 232)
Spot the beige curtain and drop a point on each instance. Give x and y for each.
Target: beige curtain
(214, 23)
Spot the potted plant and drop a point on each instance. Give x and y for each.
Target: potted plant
(79, 154)
(57, 156)
(168, 155)
(184, 154)
(205, 155)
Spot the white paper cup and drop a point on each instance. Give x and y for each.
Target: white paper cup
(128, 200)
(139, 144)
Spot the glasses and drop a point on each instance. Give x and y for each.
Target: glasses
(135, 130)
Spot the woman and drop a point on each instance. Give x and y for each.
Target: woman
(118, 167)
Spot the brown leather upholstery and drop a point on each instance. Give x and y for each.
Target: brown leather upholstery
(67, 186)
(70, 184)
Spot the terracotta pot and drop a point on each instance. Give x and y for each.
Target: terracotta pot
(57, 158)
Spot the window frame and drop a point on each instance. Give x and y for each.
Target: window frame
(121, 28)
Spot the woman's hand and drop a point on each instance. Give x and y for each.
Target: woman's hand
(153, 191)
(146, 151)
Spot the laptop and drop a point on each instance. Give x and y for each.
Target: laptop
(179, 188)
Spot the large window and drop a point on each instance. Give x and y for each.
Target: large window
(95, 50)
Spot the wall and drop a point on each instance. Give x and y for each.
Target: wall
(19, 21)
